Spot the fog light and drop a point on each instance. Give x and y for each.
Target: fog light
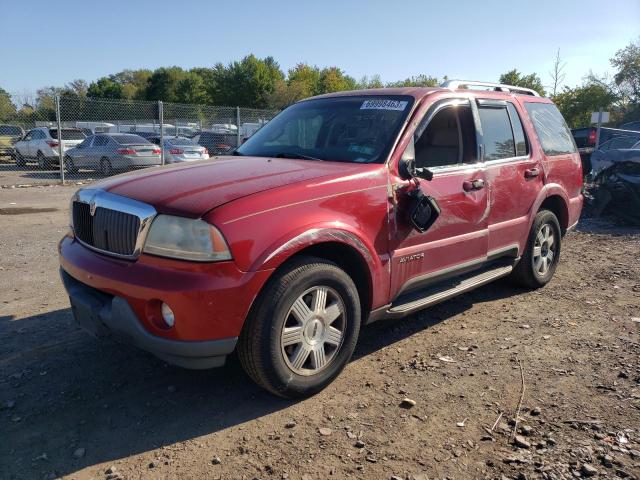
(167, 315)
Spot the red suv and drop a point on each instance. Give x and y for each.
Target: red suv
(344, 209)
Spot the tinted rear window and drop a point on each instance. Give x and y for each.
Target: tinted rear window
(67, 134)
(130, 139)
(553, 133)
(10, 130)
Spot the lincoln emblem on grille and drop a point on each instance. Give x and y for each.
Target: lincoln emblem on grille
(92, 208)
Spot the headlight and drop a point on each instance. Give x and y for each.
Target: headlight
(187, 239)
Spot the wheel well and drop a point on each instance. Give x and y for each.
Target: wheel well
(557, 205)
(349, 260)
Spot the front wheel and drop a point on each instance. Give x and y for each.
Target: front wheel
(540, 259)
(303, 329)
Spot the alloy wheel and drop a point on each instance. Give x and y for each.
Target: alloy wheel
(544, 250)
(313, 330)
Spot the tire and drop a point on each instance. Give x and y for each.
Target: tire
(69, 166)
(43, 163)
(291, 348)
(540, 259)
(20, 161)
(105, 167)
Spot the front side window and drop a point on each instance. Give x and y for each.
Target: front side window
(553, 133)
(448, 139)
(496, 133)
(357, 129)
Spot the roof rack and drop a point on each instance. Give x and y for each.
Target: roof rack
(455, 84)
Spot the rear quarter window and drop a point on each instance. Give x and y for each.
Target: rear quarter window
(553, 133)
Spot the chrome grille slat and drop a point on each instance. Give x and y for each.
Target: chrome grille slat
(118, 226)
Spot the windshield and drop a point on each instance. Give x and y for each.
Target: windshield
(346, 129)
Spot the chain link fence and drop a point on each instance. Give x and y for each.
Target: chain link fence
(78, 140)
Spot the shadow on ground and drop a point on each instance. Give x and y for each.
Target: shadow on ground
(72, 391)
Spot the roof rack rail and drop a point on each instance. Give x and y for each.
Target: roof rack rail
(455, 84)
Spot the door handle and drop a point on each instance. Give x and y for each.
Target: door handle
(470, 185)
(531, 173)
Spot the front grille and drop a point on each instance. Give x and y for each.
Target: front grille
(108, 230)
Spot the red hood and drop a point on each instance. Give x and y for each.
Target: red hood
(193, 189)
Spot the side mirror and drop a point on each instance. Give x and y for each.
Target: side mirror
(407, 167)
(424, 212)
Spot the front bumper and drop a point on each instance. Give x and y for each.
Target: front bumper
(210, 302)
(101, 315)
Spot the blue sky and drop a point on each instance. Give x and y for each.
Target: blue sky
(396, 39)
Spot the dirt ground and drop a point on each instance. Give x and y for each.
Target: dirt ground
(75, 407)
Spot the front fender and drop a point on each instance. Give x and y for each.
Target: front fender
(303, 237)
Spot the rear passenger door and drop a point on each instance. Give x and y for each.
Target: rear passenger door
(513, 171)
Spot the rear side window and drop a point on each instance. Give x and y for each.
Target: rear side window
(496, 133)
(553, 133)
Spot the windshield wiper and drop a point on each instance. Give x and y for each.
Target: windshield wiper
(236, 153)
(296, 155)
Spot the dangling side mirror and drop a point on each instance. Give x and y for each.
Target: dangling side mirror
(425, 211)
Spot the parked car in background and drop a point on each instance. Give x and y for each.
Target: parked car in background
(616, 151)
(344, 209)
(9, 134)
(181, 149)
(635, 126)
(216, 143)
(41, 144)
(107, 152)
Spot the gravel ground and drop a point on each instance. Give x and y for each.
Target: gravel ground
(74, 407)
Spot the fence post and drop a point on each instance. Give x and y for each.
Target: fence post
(238, 124)
(60, 153)
(161, 118)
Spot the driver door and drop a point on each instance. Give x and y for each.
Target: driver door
(445, 142)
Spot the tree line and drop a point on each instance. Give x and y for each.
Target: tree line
(261, 83)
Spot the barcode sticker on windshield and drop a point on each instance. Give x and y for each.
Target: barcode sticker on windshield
(382, 104)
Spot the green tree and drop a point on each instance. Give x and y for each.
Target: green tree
(416, 81)
(163, 84)
(517, 79)
(7, 107)
(247, 83)
(627, 63)
(333, 79)
(370, 82)
(105, 87)
(577, 104)
(191, 89)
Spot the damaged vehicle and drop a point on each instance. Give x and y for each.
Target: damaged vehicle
(344, 209)
(616, 177)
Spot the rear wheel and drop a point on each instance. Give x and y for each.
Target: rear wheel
(303, 329)
(105, 167)
(540, 259)
(43, 163)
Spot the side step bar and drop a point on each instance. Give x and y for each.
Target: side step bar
(415, 301)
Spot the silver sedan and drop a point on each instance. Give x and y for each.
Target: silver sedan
(181, 149)
(107, 152)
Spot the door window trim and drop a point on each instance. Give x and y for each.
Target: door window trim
(494, 103)
(431, 112)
